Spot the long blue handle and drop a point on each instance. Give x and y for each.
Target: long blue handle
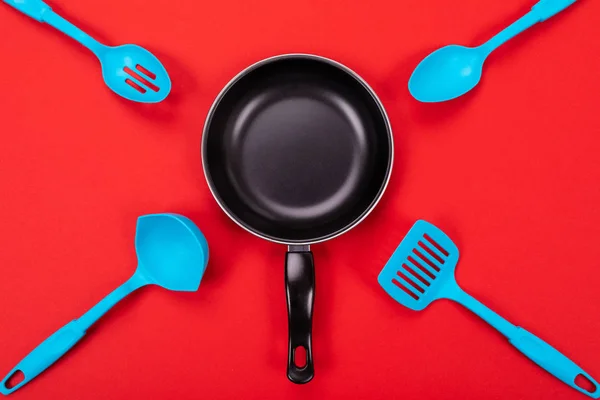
(541, 11)
(533, 347)
(46, 354)
(42, 12)
(32, 8)
(522, 24)
(545, 9)
(95, 313)
(57, 345)
(454, 292)
(552, 360)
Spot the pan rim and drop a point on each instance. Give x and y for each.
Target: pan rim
(243, 73)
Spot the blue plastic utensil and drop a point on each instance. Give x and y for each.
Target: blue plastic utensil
(454, 70)
(172, 253)
(421, 270)
(130, 71)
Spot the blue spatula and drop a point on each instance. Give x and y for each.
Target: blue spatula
(421, 270)
(172, 253)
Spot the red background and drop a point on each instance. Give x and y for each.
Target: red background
(510, 171)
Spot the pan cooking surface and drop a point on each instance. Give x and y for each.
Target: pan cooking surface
(299, 156)
(297, 149)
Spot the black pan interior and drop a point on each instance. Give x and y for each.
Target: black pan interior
(297, 149)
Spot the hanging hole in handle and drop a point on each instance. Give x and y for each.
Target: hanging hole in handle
(584, 383)
(15, 379)
(300, 357)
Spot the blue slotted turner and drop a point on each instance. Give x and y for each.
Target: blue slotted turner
(421, 270)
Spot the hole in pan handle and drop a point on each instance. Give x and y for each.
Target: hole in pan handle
(300, 292)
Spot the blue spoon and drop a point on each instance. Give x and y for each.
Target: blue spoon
(454, 70)
(172, 253)
(421, 271)
(130, 71)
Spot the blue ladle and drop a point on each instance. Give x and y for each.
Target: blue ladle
(172, 253)
(454, 70)
(130, 71)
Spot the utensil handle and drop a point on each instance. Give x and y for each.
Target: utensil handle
(42, 12)
(300, 291)
(95, 313)
(517, 27)
(498, 322)
(53, 348)
(552, 360)
(530, 345)
(540, 12)
(46, 354)
(548, 8)
(32, 8)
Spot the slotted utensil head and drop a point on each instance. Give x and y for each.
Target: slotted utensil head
(420, 268)
(134, 73)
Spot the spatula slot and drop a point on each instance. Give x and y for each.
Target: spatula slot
(436, 245)
(427, 260)
(421, 267)
(431, 252)
(410, 281)
(415, 274)
(405, 289)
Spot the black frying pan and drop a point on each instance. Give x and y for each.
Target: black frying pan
(297, 149)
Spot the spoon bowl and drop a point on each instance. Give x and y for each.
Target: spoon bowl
(447, 73)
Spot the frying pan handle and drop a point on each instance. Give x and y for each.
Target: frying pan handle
(300, 291)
